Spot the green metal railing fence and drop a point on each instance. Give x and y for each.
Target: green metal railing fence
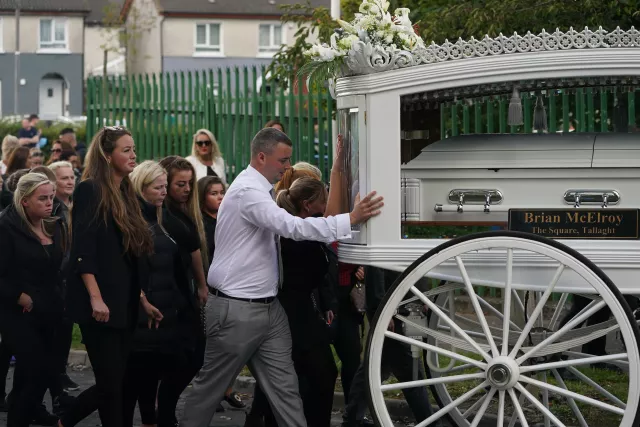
(163, 111)
(582, 109)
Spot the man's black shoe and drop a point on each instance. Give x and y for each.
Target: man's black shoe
(68, 384)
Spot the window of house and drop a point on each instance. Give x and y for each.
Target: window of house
(208, 38)
(53, 34)
(270, 38)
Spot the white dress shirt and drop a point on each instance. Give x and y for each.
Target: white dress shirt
(201, 169)
(245, 263)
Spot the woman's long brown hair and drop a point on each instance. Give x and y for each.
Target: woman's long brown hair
(119, 203)
(173, 164)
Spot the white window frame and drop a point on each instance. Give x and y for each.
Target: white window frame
(48, 49)
(269, 51)
(1, 35)
(204, 52)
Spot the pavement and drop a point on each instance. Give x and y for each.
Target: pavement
(231, 417)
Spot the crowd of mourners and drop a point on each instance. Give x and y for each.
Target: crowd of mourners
(176, 279)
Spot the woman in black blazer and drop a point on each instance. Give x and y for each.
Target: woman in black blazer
(31, 303)
(108, 270)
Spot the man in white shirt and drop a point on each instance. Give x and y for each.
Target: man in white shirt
(246, 325)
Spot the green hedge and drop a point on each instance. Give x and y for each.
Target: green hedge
(11, 127)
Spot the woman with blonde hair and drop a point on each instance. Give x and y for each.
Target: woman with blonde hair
(291, 175)
(31, 302)
(206, 157)
(157, 348)
(9, 143)
(111, 243)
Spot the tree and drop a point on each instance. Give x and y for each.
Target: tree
(121, 36)
(450, 19)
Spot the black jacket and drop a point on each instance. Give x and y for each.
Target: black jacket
(210, 233)
(97, 248)
(26, 266)
(167, 277)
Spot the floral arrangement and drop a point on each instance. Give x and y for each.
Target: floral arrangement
(372, 28)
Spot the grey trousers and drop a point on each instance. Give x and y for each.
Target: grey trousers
(241, 333)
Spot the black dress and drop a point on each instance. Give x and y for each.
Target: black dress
(27, 266)
(305, 265)
(97, 248)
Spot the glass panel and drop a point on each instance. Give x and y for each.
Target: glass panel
(201, 34)
(60, 30)
(277, 35)
(214, 34)
(45, 30)
(265, 36)
(348, 128)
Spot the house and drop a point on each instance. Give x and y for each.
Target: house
(49, 39)
(60, 43)
(205, 34)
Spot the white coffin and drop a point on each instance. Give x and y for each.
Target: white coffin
(528, 171)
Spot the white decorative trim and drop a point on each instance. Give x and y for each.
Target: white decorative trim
(411, 199)
(365, 58)
(495, 69)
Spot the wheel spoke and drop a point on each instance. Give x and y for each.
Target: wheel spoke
(545, 399)
(576, 396)
(459, 401)
(435, 349)
(537, 311)
(547, 413)
(570, 401)
(476, 306)
(431, 381)
(507, 304)
(473, 407)
(435, 309)
(575, 321)
(496, 312)
(518, 409)
(622, 365)
(483, 408)
(500, 409)
(573, 362)
(597, 386)
(558, 311)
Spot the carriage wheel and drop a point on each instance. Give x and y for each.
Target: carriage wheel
(506, 361)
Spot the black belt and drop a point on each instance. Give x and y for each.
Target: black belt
(267, 300)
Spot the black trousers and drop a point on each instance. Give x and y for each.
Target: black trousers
(347, 338)
(145, 371)
(108, 350)
(64, 336)
(31, 336)
(396, 360)
(177, 380)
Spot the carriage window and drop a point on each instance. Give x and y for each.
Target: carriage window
(348, 127)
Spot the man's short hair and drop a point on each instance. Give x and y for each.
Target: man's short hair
(266, 141)
(60, 164)
(33, 117)
(67, 131)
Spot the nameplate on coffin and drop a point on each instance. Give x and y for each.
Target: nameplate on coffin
(576, 223)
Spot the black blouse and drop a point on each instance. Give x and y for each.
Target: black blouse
(210, 232)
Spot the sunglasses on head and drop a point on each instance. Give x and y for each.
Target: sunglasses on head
(203, 143)
(113, 128)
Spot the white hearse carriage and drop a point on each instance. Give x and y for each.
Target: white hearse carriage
(534, 136)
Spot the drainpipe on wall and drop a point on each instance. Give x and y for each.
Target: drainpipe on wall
(16, 62)
(335, 14)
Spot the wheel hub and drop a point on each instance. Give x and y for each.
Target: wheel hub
(503, 373)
